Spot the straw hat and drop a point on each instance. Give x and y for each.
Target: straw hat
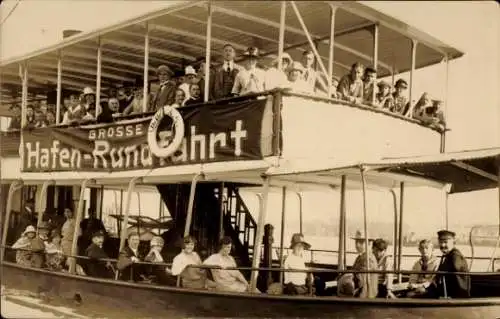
(383, 84)
(157, 241)
(164, 69)
(189, 70)
(284, 56)
(360, 236)
(88, 91)
(251, 52)
(29, 229)
(299, 239)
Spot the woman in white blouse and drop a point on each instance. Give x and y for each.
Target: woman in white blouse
(191, 277)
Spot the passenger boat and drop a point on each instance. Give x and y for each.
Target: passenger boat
(265, 141)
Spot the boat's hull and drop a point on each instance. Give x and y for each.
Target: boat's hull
(116, 299)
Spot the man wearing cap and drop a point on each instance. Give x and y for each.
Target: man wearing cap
(166, 92)
(450, 285)
(251, 78)
(351, 87)
(278, 78)
(225, 75)
(95, 266)
(296, 79)
(189, 78)
(400, 103)
(383, 98)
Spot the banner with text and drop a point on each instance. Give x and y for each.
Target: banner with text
(212, 133)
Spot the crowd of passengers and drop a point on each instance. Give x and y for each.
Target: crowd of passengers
(49, 246)
(186, 87)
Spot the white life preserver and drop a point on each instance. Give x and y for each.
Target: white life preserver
(178, 124)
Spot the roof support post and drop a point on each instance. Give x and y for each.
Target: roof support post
(259, 234)
(498, 173)
(299, 195)
(281, 42)
(365, 225)
(414, 44)
(375, 55)
(395, 237)
(283, 217)
(145, 87)
(333, 11)
(14, 187)
(58, 93)
(342, 225)
(208, 50)
(43, 191)
(130, 191)
(98, 78)
(78, 219)
(400, 230)
(192, 194)
(24, 104)
(309, 38)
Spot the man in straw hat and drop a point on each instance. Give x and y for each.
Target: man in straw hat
(276, 78)
(450, 285)
(166, 91)
(296, 283)
(251, 79)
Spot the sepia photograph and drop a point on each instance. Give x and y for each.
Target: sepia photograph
(249, 159)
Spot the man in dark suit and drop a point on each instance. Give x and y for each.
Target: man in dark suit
(95, 266)
(450, 285)
(166, 91)
(128, 258)
(225, 74)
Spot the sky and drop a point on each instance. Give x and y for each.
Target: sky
(473, 104)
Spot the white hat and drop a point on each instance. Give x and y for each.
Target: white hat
(29, 229)
(189, 70)
(88, 90)
(156, 241)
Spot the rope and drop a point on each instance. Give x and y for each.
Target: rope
(10, 12)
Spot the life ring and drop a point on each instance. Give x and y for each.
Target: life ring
(178, 124)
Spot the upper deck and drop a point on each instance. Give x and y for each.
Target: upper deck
(283, 124)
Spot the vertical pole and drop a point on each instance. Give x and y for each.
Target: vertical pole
(78, 219)
(24, 95)
(446, 210)
(208, 50)
(39, 205)
(58, 96)
(446, 83)
(375, 55)
(498, 169)
(281, 42)
(299, 195)
(145, 84)
(400, 231)
(333, 10)
(130, 190)
(342, 237)
(14, 186)
(414, 44)
(260, 233)
(365, 226)
(98, 79)
(221, 205)
(395, 237)
(283, 217)
(192, 193)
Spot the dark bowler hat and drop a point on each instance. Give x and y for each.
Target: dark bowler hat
(252, 52)
(445, 234)
(299, 239)
(98, 233)
(401, 83)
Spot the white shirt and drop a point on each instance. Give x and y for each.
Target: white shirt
(185, 88)
(300, 86)
(228, 64)
(249, 81)
(295, 262)
(275, 79)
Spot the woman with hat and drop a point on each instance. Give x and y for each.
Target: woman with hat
(191, 277)
(23, 246)
(251, 79)
(157, 273)
(190, 77)
(365, 261)
(295, 282)
(296, 80)
(276, 78)
(383, 99)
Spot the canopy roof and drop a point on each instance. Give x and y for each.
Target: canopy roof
(177, 38)
(464, 171)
